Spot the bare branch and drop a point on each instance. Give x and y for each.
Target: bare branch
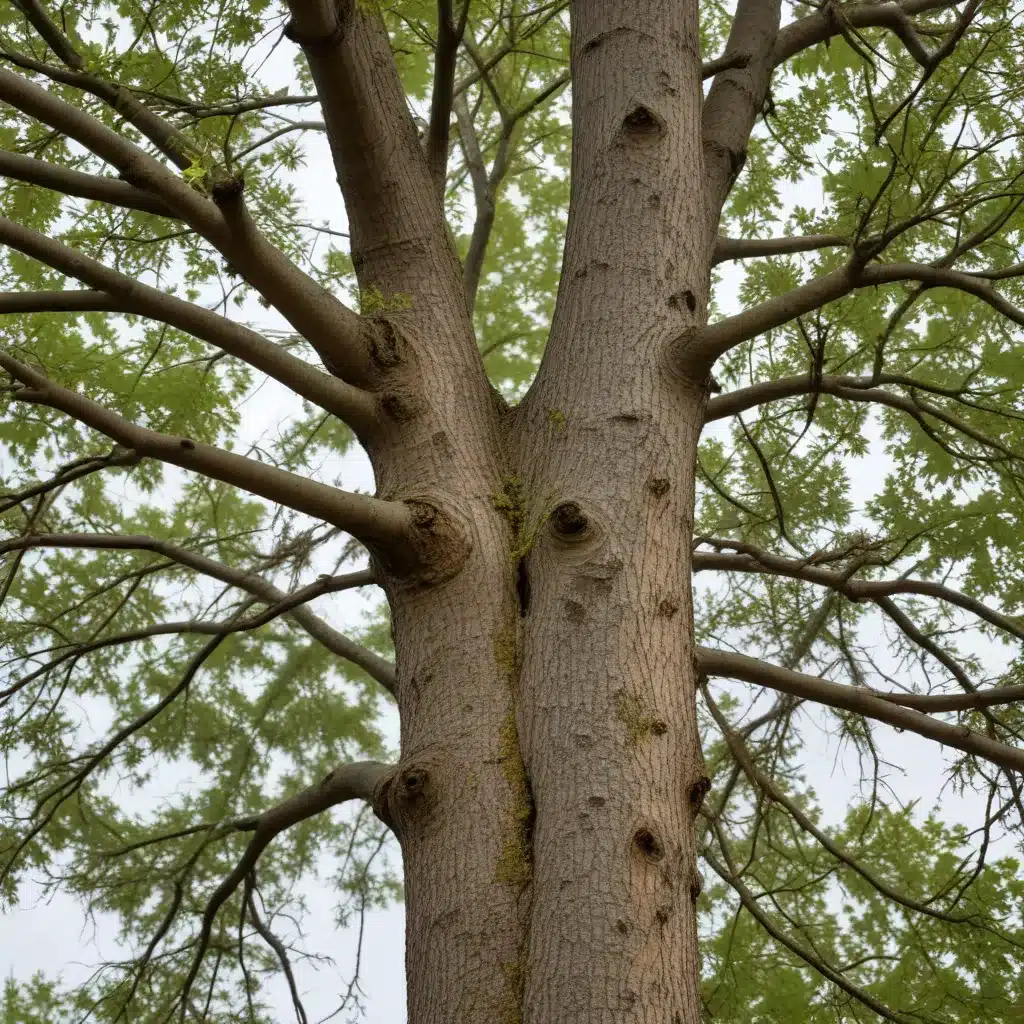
(377, 667)
(750, 248)
(894, 709)
(380, 524)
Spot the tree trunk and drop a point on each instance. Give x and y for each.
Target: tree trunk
(551, 762)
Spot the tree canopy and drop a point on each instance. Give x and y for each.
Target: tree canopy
(165, 677)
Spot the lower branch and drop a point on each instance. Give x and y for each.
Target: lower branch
(362, 780)
(890, 708)
(385, 525)
(380, 669)
(729, 875)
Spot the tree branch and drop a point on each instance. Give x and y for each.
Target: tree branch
(750, 248)
(736, 98)
(339, 335)
(377, 667)
(854, 389)
(895, 709)
(729, 332)
(762, 781)
(77, 183)
(753, 907)
(347, 402)
(449, 36)
(831, 20)
(362, 780)
(67, 301)
(384, 525)
(755, 560)
(399, 238)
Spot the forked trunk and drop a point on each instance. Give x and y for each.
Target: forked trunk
(551, 760)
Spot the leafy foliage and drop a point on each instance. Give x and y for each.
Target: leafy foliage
(95, 643)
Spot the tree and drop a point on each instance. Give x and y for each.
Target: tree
(561, 438)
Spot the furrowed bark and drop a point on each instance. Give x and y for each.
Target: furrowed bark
(607, 719)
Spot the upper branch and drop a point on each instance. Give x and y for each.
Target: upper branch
(449, 35)
(736, 98)
(854, 389)
(833, 19)
(339, 335)
(130, 295)
(895, 709)
(383, 525)
(391, 198)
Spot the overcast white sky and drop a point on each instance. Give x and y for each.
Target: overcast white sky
(54, 935)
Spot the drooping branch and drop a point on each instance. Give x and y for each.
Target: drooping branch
(736, 98)
(750, 248)
(895, 709)
(339, 335)
(762, 781)
(343, 400)
(252, 583)
(730, 875)
(362, 780)
(384, 525)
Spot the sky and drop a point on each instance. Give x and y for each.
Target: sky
(42, 936)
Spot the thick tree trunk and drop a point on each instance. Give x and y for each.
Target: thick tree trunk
(551, 763)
